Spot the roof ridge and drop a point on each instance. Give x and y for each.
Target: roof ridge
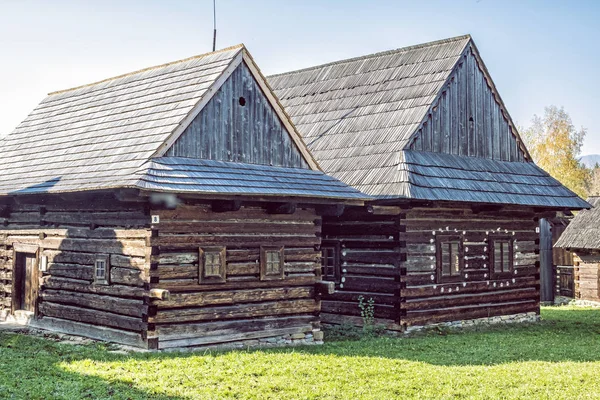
(378, 54)
(237, 46)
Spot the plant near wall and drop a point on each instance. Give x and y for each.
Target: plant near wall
(367, 313)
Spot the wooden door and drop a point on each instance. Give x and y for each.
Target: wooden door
(25, 282)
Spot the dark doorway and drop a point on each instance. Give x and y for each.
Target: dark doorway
(25, 282)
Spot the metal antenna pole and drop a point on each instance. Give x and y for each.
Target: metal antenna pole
(215, 25)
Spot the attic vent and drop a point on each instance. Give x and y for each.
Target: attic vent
(242, 101)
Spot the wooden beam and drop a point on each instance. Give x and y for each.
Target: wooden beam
(477, 208)
(225, 205)
(159, 294)
(325, 287)
(281, 208)
(334, 210)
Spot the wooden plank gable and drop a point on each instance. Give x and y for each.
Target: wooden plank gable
(468, 117)
(239, 124)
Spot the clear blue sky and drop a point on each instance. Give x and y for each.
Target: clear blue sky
(538, 52)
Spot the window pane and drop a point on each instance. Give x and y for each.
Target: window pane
(506, 257)
(212, 264)
(501, 256)
(272, 266)
(498, 257)
(455, 259)
(450, 258)
(446, 259)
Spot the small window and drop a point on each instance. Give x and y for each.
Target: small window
(271, 263)
(330, 265)
(450, 260)
(212, 265)
(501, 256)
(102, 271)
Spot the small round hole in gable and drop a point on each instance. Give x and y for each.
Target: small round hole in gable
(242, 101)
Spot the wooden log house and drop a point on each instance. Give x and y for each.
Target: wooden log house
(453, 232)
(174, 206)
(582, 238)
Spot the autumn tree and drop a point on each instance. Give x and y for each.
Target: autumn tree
(594, 186)
(554, 143)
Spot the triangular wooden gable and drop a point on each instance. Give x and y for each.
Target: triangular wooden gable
(241, 121)
(468, 117)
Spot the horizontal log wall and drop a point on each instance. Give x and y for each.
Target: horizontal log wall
(244, 306)
(587, 276)
(72, 234)
(6, 268)
(477, 294)
(371, 255)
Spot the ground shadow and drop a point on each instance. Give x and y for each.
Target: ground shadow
(35, 369)
(43, 369)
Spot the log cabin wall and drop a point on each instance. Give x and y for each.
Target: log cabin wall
(70, 235)
(241, 303)
(587, 274)
(478, 291)
(369, 258)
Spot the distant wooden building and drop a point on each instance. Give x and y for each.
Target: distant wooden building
(582, 238)
(173, 206)
(453, 234)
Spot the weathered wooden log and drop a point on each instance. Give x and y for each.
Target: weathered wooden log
(280, 308)
(95, 317)
(159, 294)
(222, 297)
(117, 305)
(325, 287)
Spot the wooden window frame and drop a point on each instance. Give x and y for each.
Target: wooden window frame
(106, 260)
(264, 276)
(337, 269)
(220, 278)
(492, 256)
(439, 241)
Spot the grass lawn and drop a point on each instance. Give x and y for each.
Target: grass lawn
(556, 359)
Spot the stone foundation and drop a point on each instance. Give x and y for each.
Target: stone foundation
(470, 323)
(585, 303)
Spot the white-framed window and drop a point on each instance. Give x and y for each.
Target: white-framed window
(102, 270)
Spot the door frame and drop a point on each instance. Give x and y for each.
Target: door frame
(26, 249)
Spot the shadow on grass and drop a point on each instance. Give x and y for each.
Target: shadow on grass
(35, 368)
(32, 368)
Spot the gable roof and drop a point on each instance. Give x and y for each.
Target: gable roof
(359, 117)
(583, 232)
(109, 133)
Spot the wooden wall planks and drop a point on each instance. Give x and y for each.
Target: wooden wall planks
(71, 234)
(477, 294)
(252, 133)
(244, 306)
(467, 119)
(370, 261)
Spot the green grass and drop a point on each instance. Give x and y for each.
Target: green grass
(558, 358)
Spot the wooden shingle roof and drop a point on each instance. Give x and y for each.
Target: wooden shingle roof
(583, 231)
(114, 134)
(360, 116)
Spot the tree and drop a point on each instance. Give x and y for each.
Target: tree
(594, 186)
(554, 143)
